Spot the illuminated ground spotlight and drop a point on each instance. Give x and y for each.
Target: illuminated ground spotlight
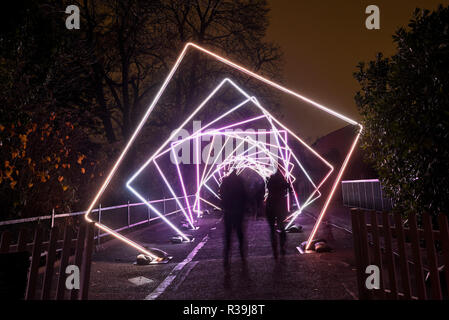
(163, 257)
(156, 100)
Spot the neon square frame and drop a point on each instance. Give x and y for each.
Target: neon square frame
(196, 135)
(251, 74)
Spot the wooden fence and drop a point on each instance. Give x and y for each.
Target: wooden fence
(51, 251)
(413, 262)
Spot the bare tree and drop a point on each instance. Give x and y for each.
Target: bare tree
(135, 42)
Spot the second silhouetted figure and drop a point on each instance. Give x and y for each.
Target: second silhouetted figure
(276, 209)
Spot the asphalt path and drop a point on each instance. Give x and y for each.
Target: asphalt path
(196, 270)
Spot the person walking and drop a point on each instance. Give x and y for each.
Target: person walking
(259, 199)
(276, 210)
(233, 202)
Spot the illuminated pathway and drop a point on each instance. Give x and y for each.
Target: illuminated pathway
(311, 276)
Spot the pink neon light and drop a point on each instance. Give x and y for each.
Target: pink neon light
(156, 99)
(334, 187)
(265, 113)
(248, 158)
(257, 143)
(233, 125)
(214, 132)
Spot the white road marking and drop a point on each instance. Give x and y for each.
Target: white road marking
(140, 281)
(185, 274)
(176, 270)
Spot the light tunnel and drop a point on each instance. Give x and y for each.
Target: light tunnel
(274, 154)
(286, 157)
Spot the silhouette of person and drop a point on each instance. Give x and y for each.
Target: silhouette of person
(276, 210)
(259, 198)
(233, 202)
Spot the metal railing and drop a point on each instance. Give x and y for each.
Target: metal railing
(365, 194)
(118, 218)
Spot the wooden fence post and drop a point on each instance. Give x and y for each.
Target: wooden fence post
(417, 259)
(5, 241)
(377, 251)
(79, 252)
(403, 261)
(51, 255)
(22, 241)
(432, 257)
(87, 260)
(66, 251)
(356, 238)
(363, 237)
(389, 255)
(444, 236)
(34, 268)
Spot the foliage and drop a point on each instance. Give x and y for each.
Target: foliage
(43, 167)
(404, 101)
(43, 135)
(100, 79)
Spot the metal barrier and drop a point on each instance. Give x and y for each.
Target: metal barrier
(365, 194)
(118, 218)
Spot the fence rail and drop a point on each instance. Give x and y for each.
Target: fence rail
(96, 210)
(118, 218)
(413, 262)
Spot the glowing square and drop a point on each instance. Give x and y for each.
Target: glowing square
(253, 75)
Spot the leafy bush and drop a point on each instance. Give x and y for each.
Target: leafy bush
(404, 101)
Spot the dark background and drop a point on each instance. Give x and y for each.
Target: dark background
(323, 41)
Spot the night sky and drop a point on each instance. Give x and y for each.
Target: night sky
(323, 41)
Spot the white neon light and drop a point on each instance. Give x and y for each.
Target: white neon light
(214, 132)
(155, 101)
(189, 219)
(235, 159)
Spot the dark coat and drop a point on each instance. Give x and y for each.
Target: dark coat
(233, 195)
(278, 188)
